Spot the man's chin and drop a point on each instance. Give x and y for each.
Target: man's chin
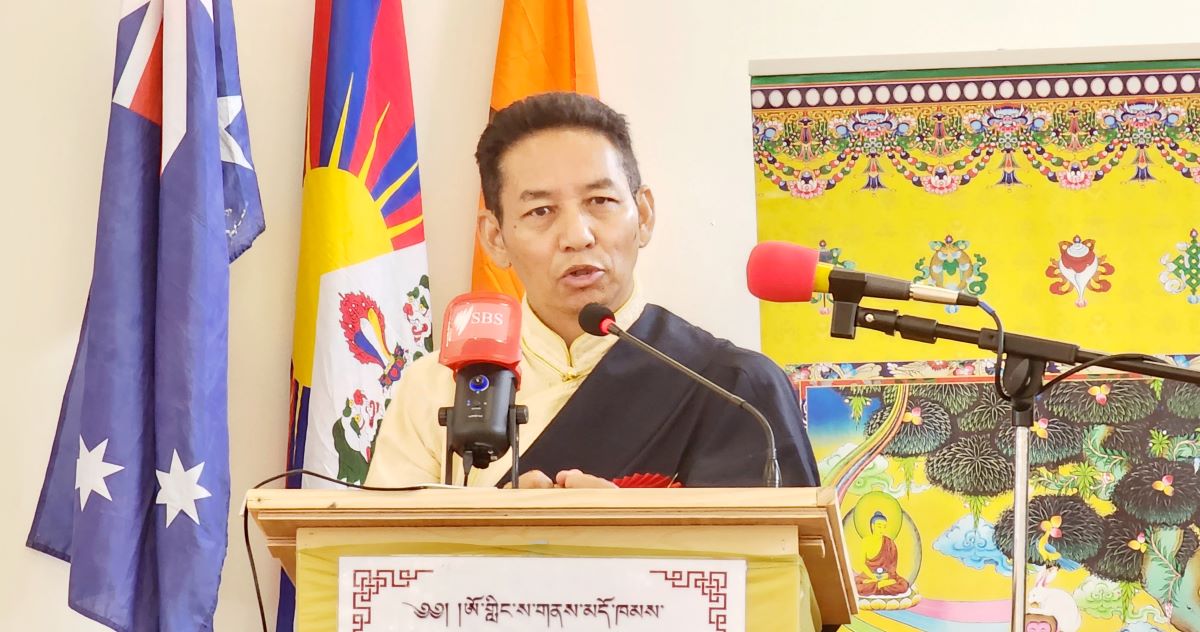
(581, 298)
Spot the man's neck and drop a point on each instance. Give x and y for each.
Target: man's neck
(566, 326)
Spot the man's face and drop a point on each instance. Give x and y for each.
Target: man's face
(571, 227)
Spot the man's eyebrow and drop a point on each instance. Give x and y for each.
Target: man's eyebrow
(603, 183)
(533, 194)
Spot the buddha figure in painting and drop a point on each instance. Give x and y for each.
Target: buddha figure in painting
(880, 560)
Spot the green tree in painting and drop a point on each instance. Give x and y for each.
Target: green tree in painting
(1114, 463)
(973, 468)
(924, 426)
(1132, 434)
(1061, 531)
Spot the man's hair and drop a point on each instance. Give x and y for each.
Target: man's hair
(547, 111)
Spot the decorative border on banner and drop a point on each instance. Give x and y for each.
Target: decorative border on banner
(712, 585)
(369, 583)
(825, 374)
(881, 93)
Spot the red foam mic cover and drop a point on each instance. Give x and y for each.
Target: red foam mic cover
(481, 327)
(781, 272)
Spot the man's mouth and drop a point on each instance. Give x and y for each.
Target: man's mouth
(582, 275)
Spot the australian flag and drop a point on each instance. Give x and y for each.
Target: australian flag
(136, 495)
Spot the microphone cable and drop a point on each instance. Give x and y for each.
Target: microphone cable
(262, 612)
(999, 381)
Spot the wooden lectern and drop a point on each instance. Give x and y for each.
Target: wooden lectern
(307, 530)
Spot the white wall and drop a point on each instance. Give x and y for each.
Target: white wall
(677, 68)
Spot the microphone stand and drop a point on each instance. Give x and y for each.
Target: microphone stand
(1024, 368)
(517, 416)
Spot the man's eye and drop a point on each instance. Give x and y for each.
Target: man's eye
(540, 211)
(600, 199)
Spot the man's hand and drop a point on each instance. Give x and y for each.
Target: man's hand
(533, 479)
(574, 479)
(566, 479)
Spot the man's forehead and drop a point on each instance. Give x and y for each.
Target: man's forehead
(560, 160)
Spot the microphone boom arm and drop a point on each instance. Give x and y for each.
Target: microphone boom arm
(892, 322)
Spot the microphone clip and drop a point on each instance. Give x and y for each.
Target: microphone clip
(844, 320)
(847, 289)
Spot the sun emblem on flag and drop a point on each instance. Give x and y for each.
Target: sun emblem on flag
(361, 182)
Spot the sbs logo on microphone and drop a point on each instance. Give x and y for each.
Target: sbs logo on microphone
(487, 318)
(478, 321)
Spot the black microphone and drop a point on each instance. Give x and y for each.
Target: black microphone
(599, 320)
(481, 344)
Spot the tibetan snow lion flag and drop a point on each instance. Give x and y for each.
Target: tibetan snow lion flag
(362, 286)
(136, 494)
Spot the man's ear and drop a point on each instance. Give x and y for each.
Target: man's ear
(644, 198)
(490, 237)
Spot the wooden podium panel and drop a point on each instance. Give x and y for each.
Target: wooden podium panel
(811, 514)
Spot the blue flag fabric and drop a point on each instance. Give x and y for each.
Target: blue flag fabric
(136, 494)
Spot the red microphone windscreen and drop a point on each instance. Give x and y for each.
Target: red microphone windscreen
(781, 272)
(481, 327)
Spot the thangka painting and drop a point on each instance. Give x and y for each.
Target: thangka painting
(1068, 198)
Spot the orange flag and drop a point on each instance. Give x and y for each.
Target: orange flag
(545, 45)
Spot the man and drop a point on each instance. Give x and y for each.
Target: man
(568, 211)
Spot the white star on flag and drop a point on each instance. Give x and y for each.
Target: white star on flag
(228, 109)
(91, 470)
(180, 489)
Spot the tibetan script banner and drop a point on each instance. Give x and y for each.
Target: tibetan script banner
(533, 593)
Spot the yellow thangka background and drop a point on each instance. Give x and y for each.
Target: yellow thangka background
(1008, 180)
(1066, 197)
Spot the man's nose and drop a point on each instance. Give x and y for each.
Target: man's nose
(576, 230)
